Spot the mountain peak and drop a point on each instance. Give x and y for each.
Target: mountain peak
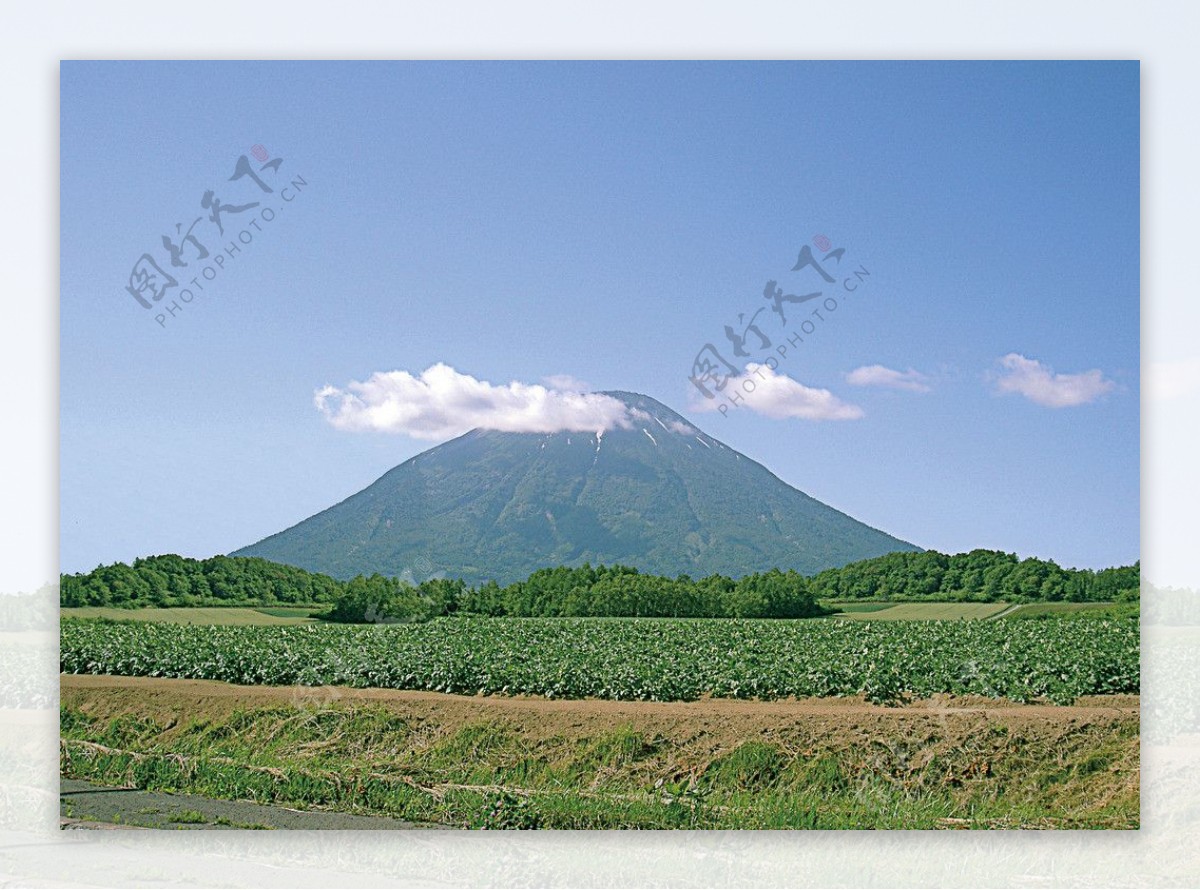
(633, 399)
(656, 410)
(656, 493)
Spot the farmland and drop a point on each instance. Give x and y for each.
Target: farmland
(916, 611)
(665, 660)
(198, 614)
(884, 611)
(1067, 610)
(595, 723)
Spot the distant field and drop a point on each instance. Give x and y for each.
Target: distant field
(859, 607)
(200, 615)
(291, 611)
(277, 615)
(1030, 610)
(915, 611)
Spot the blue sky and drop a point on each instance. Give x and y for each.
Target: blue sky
(516, 221)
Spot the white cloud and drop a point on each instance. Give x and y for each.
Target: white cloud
(878, 375)
(1171, 380)
(779, 396)
(441, 403)
(1039, 383)
(566, 383)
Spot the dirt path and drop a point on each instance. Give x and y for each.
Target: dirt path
(720, 721)
(266, 695)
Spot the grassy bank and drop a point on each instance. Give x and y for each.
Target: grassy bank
(487, 763)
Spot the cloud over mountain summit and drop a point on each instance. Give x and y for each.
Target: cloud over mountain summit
(441, 403)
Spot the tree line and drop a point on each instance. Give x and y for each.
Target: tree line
(587, 592)
(600, 591)
(172, 580)
(986, 576)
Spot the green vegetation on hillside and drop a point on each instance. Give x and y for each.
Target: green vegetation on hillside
(659, 495)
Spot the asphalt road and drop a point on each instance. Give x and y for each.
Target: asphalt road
(85, 805)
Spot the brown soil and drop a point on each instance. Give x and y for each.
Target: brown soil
(722, 722)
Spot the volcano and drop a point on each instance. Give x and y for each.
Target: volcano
(659, 495)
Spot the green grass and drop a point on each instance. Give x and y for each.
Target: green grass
(853, 607)
(187, 817)
(205, 615)
(292, 611)
(372, 761)
(1074, 610)
(916, 611)
(892, 611)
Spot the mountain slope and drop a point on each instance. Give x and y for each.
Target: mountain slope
(661, 496)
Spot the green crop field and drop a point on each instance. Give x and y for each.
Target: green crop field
(666, 660)
(851, 607)
(292, 611)
(216, 615)
(916, 611)
(1057, 610)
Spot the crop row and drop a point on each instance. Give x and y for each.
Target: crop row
(663, 660)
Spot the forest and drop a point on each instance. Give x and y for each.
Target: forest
(601, 591)
(987, 576)
(172, 580)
